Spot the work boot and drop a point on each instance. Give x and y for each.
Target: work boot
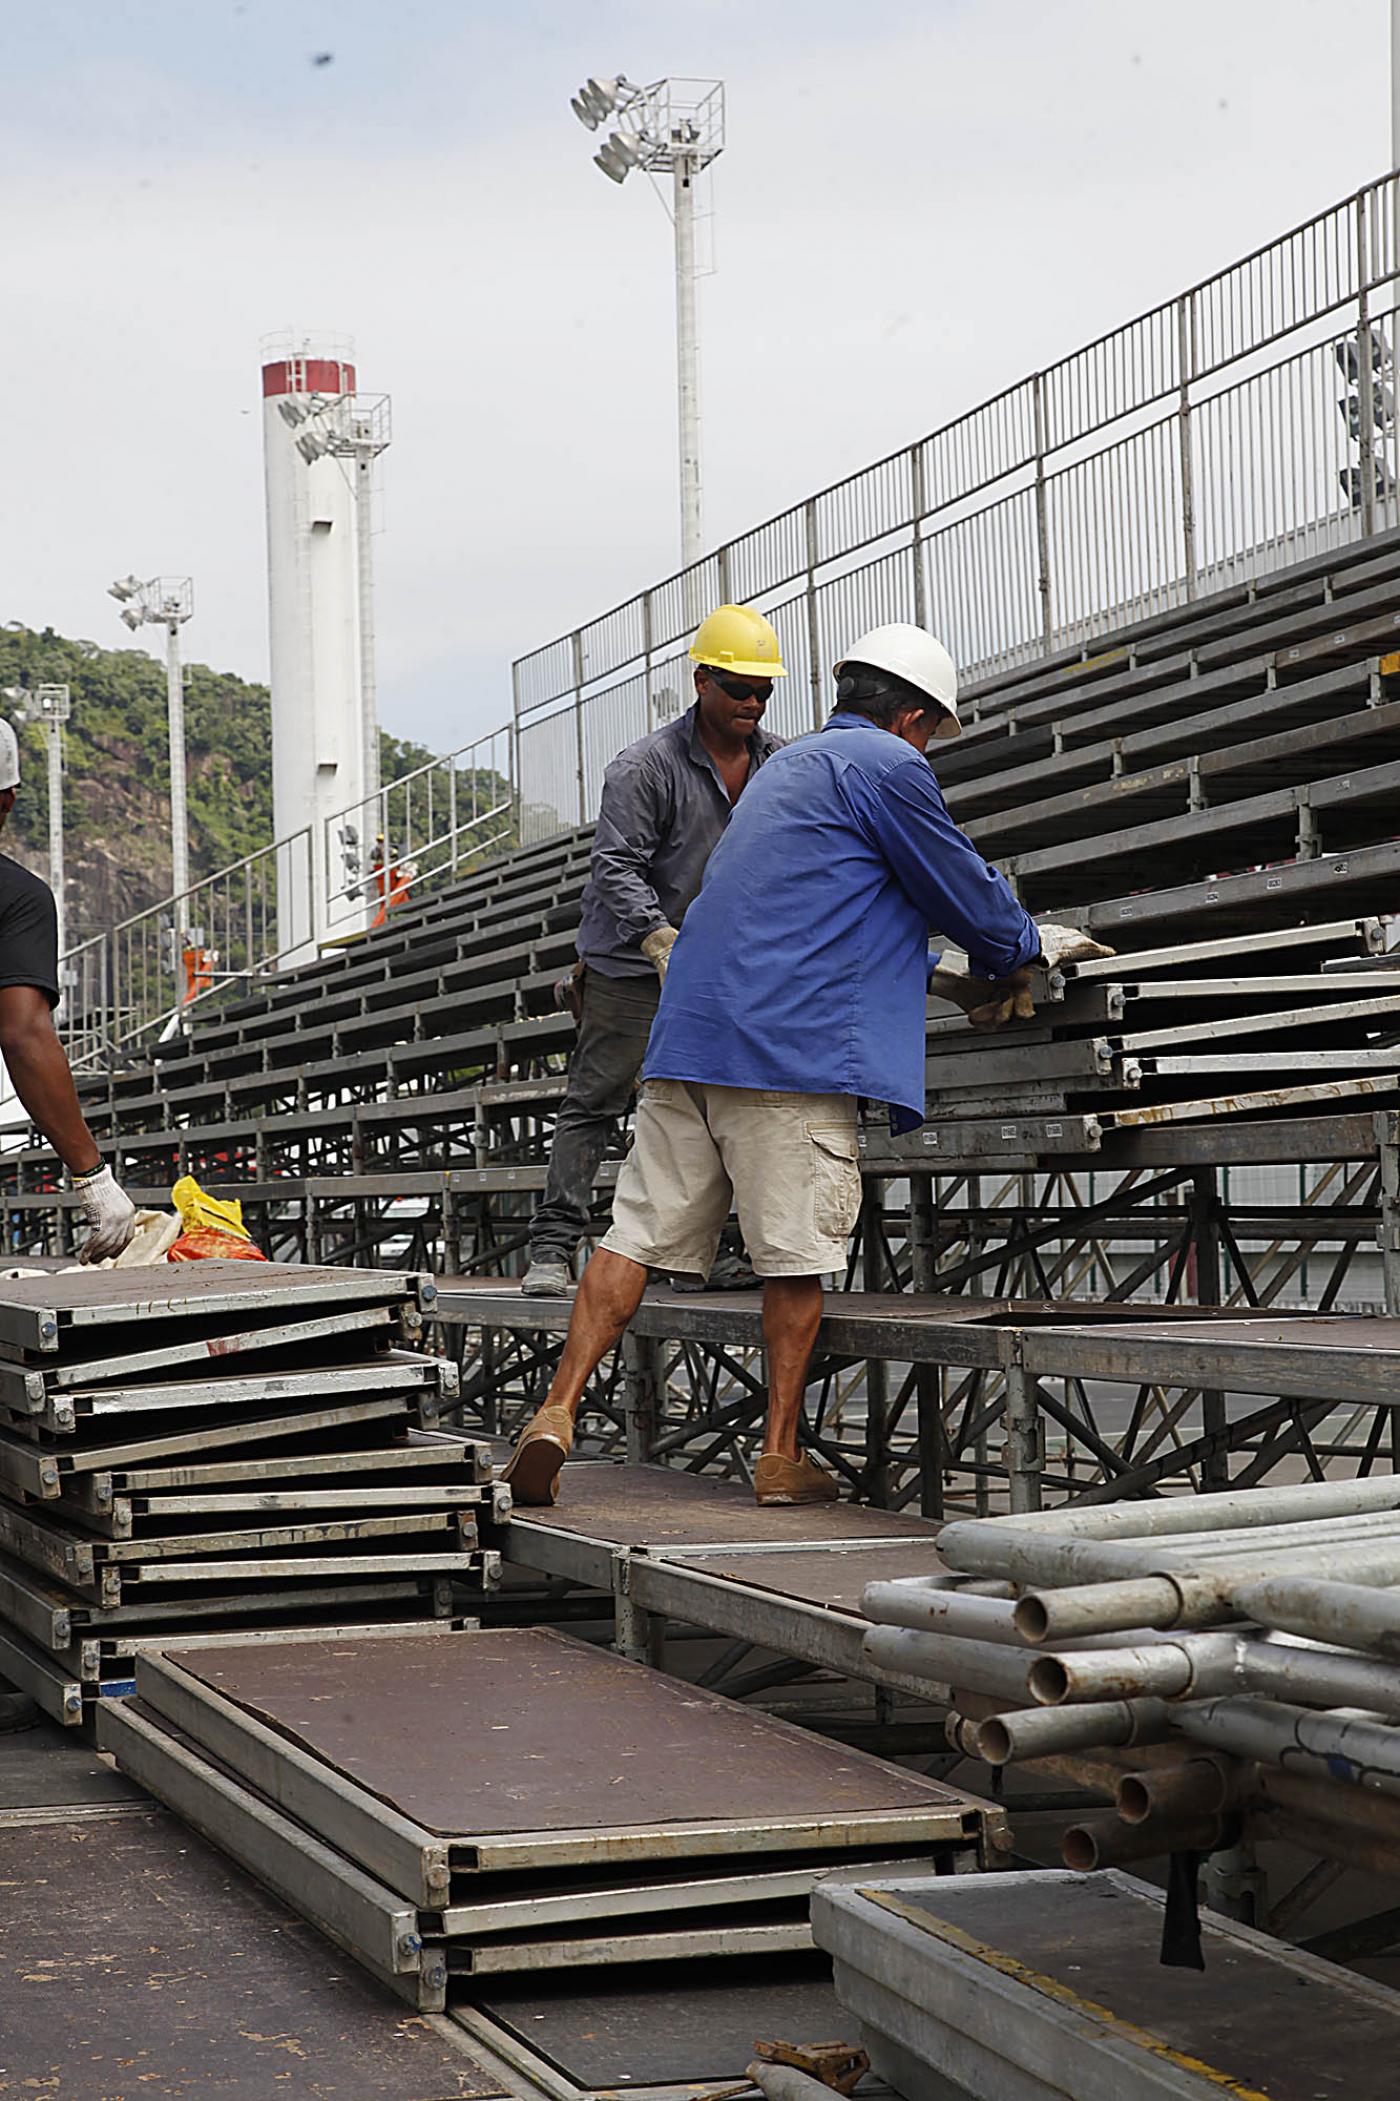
(799, 1480)
(543, 1445)
(548, 1277)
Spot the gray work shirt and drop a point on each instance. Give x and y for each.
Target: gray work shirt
(663, 810)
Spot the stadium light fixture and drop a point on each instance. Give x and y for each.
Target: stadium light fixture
(673, 127)
(168, 602)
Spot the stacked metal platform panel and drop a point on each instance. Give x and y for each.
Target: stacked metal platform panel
(466, 1803)
(215, 1444)
(1048, 1987)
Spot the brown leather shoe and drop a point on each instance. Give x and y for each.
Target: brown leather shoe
(799, 1480)
(534, 1466)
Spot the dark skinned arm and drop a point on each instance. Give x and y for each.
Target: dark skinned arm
(38, 1067)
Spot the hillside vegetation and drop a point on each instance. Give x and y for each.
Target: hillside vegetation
(116, 792)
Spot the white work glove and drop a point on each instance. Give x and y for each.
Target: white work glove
(657, 948)
(1066, 944)
(109, 1211)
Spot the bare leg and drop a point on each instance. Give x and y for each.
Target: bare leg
(792, 1312)
(608, 1296)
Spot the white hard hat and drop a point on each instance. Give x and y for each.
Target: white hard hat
(9, 756)
(917, 657)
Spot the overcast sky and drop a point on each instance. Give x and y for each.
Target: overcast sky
(920, 200)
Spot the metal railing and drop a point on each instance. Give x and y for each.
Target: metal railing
(126, 989)
(1246, 424)
(422, 830)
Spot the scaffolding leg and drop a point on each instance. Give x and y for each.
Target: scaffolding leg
(1215, 1467)
(640, 1395)
(927, 1380)
(1235, 1884)
(1022, 1439)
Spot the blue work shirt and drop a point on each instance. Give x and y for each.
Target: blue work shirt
(663, 809)
(803, 963)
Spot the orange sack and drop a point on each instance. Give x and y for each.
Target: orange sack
(210, 1243)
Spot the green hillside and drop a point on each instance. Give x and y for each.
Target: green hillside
(116, 799)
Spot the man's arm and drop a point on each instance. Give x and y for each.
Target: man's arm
(941, 871)
(632, 816)
(43, 1080)
(35, 1061)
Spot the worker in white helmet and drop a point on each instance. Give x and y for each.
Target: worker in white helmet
(798, 986)
(665, 804)
(29, 1045)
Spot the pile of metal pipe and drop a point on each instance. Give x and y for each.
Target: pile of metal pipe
(1251, 1638)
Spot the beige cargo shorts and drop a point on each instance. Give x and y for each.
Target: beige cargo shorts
(788, 1163)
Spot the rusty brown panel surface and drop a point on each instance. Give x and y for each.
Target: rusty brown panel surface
(835, 1580)
(627, 2027)
(1247, 2017)
(525, 1729)
(658, 1506)
(136, 1960)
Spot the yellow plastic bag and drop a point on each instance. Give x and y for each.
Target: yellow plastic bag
(210, 1226)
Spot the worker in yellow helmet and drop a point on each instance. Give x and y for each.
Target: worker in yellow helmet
(665, 804)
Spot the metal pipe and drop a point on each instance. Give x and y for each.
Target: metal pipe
(1092, 1608)
(1170, 1670)
(1231, 1509)
(941, 1612)
(1199, 1787)
(980, 1666)
(1041, 1732)
(1106, 1841)
(1348, 1613)
(1356, 1750)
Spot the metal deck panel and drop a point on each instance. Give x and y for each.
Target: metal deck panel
(396, 1752)
(1060, 1974)
(37, 1313)
(831, 1578)
(420, 1727)
(44, 1768)
(661, 2029)
(166, 1972)
(660, 1508)
(16, 1381)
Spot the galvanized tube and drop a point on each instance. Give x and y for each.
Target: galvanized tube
(1168, 1670)
(1041, 1732)
(941, 1612)
(979, 1666)
(1297, 1503)
(1199, 1787)
(1092, 1608)
(1362, 1752)
(1349, 1613)
(1106, 1841)
(1287, 1670)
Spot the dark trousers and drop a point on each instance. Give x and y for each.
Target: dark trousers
(612, 1041)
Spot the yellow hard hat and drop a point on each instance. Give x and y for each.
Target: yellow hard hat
(736, 638)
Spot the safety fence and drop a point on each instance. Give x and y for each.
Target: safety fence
(125, 989)
(423, 829)
(1244, 425)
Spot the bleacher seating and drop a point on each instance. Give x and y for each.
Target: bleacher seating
(1232, 766)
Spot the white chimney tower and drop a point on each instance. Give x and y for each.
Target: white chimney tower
(320, 440)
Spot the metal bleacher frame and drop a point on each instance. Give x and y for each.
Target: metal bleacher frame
(392, 1102)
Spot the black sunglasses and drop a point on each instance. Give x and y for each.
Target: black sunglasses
(743, 688)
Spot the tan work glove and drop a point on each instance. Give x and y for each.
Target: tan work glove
(987, 1005)
(657, 948)
(1066, 944)
(109, 1211)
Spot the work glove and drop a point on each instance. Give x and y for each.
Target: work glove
(657, 948)
(1066, 944)
(568, 994)
(987, 1004)
(109, 1211)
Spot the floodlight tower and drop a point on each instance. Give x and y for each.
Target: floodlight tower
(321, 439)
(168, 602)
(51, 705)
(673, 127)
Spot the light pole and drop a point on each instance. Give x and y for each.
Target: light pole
(353, 427)
(673, 127)
(51, 705)
(168, 602)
